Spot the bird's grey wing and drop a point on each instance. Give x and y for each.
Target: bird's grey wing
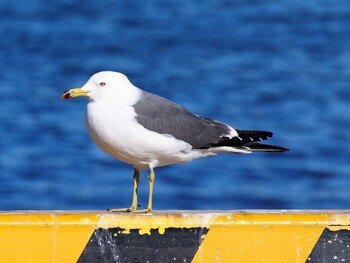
(165, 117)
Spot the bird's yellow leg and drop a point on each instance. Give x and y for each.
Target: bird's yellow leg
(134, 203)
(151, 179)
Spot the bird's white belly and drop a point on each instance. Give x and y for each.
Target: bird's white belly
(117, 132)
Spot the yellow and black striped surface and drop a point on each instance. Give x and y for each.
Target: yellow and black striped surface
(175, 236)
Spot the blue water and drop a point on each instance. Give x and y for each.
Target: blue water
(281, 65)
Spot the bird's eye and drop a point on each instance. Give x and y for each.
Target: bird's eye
(102, 84)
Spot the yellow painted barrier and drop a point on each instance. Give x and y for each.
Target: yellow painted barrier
(175, 236)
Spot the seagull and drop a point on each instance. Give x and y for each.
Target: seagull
(148, 131)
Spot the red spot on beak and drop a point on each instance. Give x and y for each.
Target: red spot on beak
(66, 95)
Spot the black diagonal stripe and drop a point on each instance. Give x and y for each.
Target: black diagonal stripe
(332, 246)
(111, 245)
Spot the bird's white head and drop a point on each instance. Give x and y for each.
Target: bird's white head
(106, 85)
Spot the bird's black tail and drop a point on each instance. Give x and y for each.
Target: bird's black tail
(248, 140)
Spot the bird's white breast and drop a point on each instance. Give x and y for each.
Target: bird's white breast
(115, 130)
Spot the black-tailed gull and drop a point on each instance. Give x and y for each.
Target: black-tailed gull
(148, 131)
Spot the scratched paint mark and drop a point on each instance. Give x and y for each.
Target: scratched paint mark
(144, 231)
(125, 231)
(161, 230)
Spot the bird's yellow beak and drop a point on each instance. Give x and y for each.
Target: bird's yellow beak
(72, 93)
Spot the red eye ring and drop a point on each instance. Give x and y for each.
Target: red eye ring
(102, 84)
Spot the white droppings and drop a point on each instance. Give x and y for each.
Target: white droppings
(335, 257)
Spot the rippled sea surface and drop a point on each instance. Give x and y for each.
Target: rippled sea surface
(282, 66)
